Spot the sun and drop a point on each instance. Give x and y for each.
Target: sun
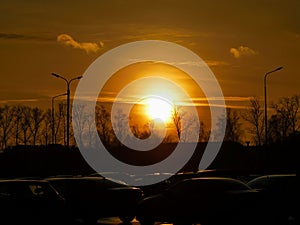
(158, 108)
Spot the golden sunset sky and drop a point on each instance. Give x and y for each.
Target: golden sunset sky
(239, 40)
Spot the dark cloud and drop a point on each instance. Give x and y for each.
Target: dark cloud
(16, 36)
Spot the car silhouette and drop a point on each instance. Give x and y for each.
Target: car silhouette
(30, 202)
(90, 198)
(277, 197)
(204, 200)
(140, 180)
(169, 179)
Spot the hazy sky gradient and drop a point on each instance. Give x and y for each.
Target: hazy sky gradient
(239, 40)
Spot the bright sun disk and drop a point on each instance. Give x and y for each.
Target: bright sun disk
(158, 108)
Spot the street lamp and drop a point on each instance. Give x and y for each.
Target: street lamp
(68, 103)
(52, 114)
(265, 94)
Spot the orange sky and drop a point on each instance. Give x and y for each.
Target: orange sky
(239, 40)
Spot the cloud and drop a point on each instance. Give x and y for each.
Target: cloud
(88, 47)
(242, 51)
(216, 63)
(11, 36)
(24, 37)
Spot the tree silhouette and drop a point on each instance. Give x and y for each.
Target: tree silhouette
(6, 124)
(233, 130)
(255, 117)
(285, 122)
(21, 124)
(176, 118)
(46, 127)
(17, 121)
(103, 124)
(204, 133)
(25, 124)
(60, 124)
(37, 117)
(80, 121)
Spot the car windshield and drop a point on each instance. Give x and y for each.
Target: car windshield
(26, 189)
(206, 185)
(278, 181)
(88, 184)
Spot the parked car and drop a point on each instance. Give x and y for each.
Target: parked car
(205, 200)
(242, 175)
(140, 180)
(91, 198)
(24, 201)
(278, 197)
(171, 179)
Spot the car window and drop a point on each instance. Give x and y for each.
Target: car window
(25, 189)
(36, 189)
(259, 183)
(5, 191)
(14, 189)
(274, 182)
(91, 186)
(206, 186)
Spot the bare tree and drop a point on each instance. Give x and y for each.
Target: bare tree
(103, 124)
(254, 116)
(25, 124)
(6, 124)
(37, 117)
(46, 126)
(89, 130)
(176, 118)
(233, 130)
(119, 125)
(188, 127)
(80, 120)
(274, 131)
(204, 133)
(17, 122)
(141, 131)
(60, 124)
(286, 120)
(288, 108)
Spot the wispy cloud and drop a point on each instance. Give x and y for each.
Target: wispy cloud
(18, 101)
(88, 47)
(11, 36)
(24, 37)
(242, 51)
(216, 63)
(234, 102)
(209, 63)
(226, 98)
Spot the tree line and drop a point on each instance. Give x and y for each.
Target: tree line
(24, 125)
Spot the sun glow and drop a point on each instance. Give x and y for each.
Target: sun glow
(158, 108)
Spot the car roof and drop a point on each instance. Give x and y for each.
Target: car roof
(22, 181)
(224, 182)
(217, 179)
(105, 181)
(272, 177)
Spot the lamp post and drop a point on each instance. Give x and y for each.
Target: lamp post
(52, 114)
(265, 96)
(68, 82)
